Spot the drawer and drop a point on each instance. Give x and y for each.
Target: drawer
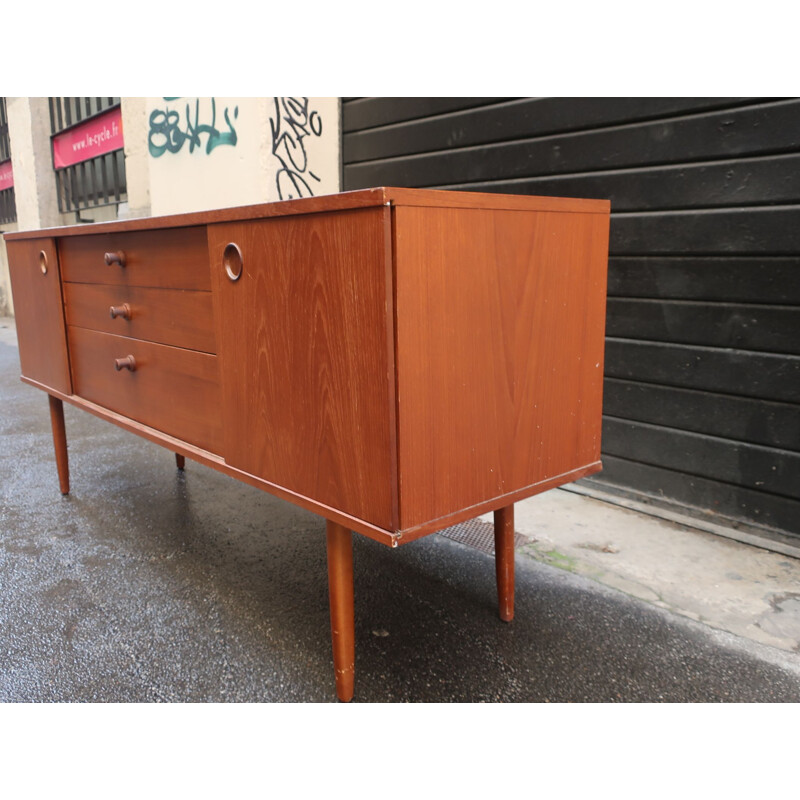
(175, 258)
(172, 390)
(166, 316)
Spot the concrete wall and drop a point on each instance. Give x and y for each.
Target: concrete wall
(185, 154)
(228, 151)
(137, 159)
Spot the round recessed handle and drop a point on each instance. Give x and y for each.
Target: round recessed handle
(123, 311)
(115, 258)
(43, 261)
(232, 261)
(129, 362)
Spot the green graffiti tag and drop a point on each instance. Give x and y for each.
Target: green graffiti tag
(168, 133)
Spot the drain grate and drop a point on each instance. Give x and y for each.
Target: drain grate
(478, 535)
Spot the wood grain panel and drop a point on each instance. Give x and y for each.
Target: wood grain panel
(170, 259)
(216, 462)
(439, 198)
(304, 340)
(166, 316)
(39, 313)
(500, 319)
(285, 208)
(171, 390)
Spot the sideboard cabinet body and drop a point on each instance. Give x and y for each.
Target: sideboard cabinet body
(396, 360)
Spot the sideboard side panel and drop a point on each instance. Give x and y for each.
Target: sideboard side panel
(303, 345)
(39, 313)
(500, 339)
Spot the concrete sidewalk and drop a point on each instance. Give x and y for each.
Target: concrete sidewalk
(723, 583)
(147, 584)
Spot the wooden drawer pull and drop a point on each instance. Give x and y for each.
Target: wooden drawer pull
(129, 362)
(115, 258)
(43, 262)
(233, 261)
(123, 311)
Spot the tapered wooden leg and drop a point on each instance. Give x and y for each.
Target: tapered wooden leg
(504, 560)
(60, 442)
(180, 460)
(340, 587)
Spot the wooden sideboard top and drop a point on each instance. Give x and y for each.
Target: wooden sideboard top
(362, 198)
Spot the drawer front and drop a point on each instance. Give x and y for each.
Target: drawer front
(172, 390)
(175, 258)
(165, 316)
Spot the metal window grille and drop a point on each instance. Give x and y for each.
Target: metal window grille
(100, 181)
(8, 202)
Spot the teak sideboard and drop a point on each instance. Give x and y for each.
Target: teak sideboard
(395, 360)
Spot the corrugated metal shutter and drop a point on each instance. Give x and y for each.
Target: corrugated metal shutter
(702, 402)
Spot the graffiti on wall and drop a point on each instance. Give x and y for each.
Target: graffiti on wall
(170, 130)
(292, 122)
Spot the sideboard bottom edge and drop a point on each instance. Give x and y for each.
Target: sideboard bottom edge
(389, 538)
(494, 503)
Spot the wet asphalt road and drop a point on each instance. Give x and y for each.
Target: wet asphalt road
(147, 584)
